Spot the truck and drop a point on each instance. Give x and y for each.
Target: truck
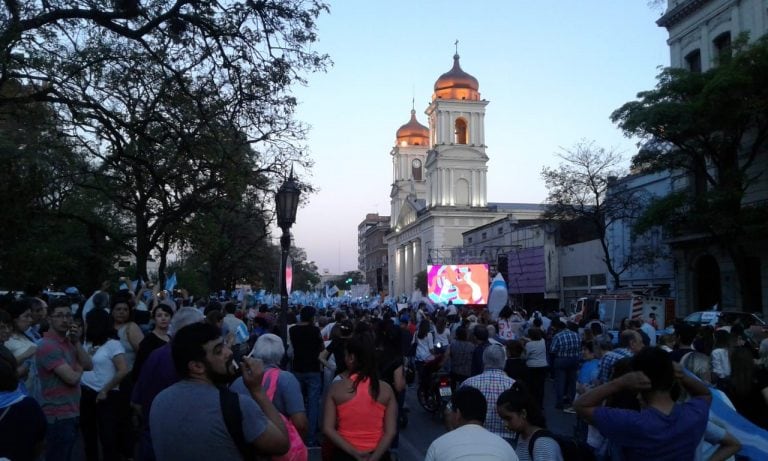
(612, 308)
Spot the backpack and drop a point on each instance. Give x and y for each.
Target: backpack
(571, 449)
(233, 419)
(298, 451)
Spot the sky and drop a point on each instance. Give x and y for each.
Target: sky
(553, 71)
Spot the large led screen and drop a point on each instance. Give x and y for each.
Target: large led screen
(458, 283)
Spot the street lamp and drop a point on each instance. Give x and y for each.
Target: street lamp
(286, 203)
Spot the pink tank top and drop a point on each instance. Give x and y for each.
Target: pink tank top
(361, 419)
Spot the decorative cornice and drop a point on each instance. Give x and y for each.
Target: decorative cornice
(680, 12)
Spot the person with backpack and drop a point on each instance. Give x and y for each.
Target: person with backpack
(283, 389)
(189, 420)
(522, 415)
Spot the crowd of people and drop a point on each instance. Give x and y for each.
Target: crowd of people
(143, 375)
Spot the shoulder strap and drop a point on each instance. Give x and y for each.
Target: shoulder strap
(535, 437)
(272, 375)
(233, 419)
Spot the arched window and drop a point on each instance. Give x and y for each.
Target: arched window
(722, 48)
(461, 131)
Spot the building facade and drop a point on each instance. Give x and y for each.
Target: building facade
(701, 34)
(372, 251)
(439, 180)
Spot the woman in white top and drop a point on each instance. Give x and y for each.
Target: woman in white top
(425, 344)
(536, 361)
(522, 415)
(721, 362)
(99, 398)
(20, 345)
(442, 332)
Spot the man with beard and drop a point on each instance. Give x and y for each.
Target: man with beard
(186, 419)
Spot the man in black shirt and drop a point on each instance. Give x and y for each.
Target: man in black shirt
(307, 345)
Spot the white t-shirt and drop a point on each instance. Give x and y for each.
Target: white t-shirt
(424, 347)
(19, 344)
(103, 367)
(536, 353)
(468, 443)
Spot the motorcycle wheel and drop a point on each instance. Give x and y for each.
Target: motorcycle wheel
(427, 400)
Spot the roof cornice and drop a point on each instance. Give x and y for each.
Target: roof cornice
(680, 12)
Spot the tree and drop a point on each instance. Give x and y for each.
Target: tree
(420, 281)
(305, 273)
(347, 279)
(583, 188)
(40, 241)
(711, 127)
(155, 95)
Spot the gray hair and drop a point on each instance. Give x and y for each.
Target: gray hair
(604, 342)
(494, 356)
(763, 358)
(699, 364)
(185, 316)
(269, 348)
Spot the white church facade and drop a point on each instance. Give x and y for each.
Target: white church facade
(439, 180)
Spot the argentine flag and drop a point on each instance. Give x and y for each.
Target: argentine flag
(754, 440)
(241, 333)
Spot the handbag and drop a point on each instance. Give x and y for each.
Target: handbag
(298, 451)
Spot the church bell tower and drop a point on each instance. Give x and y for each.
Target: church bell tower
(457, 163)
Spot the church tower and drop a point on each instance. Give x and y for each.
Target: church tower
(408, 169)
(456, 165)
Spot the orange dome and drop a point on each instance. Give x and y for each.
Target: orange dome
(456, 84)
(413, 133)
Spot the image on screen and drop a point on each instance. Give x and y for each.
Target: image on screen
(458, 283)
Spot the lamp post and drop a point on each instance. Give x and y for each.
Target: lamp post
(286, 204)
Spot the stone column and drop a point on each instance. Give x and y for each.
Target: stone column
(408, 283)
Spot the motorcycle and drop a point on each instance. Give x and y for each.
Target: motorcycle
(434, 394)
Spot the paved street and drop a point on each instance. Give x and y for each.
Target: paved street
(423, 428)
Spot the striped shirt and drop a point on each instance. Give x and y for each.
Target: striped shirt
(492, 383)
(609, 360)
(566, 343)
(59, 399)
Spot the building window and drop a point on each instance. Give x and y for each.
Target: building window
(597, 280)
(501, 230)
(484, 235)
(693, 61)
(461, 131)
(722, 45)
(576, 281)
(469, 239)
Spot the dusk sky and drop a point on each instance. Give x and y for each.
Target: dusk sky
(553, 72)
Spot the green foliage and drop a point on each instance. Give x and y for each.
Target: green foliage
(420, 281)
(178, 117)
(710, 128)
(41, 240)
(347, 279)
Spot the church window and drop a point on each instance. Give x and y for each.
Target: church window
(461, 131)
(693, 61)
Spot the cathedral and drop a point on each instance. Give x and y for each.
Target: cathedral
(439, 180)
